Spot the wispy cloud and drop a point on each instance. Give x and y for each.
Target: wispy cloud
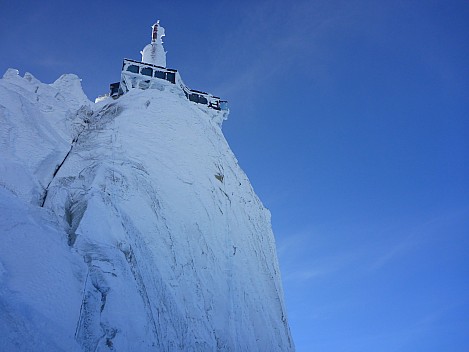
(321, 267)
(305, 257)
(311, 255)
(395, 251)
(270, 41)
(440, 227)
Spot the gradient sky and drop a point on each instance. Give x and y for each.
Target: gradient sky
(351, 119)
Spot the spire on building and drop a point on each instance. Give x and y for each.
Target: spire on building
(154, 52)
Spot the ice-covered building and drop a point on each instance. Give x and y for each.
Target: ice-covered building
(148, 73)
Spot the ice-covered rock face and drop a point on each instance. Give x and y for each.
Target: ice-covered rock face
(37, 125)
(162, 241)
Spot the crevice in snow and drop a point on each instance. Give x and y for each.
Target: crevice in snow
(219, 177)
(74, 211)
(57, 168)
(84, 113)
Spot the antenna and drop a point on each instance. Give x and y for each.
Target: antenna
(154, 33)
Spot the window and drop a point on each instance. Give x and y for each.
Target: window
(132, 68)
(171, 76)
(194, 97)
(202, 100)
(114, 88)
(159, 74)
(147, 71)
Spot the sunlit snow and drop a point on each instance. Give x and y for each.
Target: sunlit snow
(128, 225)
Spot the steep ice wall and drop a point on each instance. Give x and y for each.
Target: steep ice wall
(41, 280)
(37, 125)
(163, 242)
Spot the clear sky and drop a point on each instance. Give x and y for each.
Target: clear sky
(351, 119)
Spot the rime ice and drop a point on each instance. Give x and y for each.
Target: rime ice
(154, 52)
(129, 225)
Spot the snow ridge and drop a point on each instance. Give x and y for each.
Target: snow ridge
(160, 239)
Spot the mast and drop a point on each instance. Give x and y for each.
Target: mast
(154, 52)
(154, 31)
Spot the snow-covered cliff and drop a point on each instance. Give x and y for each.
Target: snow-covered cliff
(128, 225)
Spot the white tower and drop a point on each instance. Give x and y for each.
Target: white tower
(154, 52)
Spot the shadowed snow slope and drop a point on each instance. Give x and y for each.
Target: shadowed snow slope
(128, 225)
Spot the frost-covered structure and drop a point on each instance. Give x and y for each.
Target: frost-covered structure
(128, 225)
(152, 69)
(154, 53)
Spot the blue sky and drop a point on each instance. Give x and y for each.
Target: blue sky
(350, 119)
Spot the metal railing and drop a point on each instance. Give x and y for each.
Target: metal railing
(136, 74)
